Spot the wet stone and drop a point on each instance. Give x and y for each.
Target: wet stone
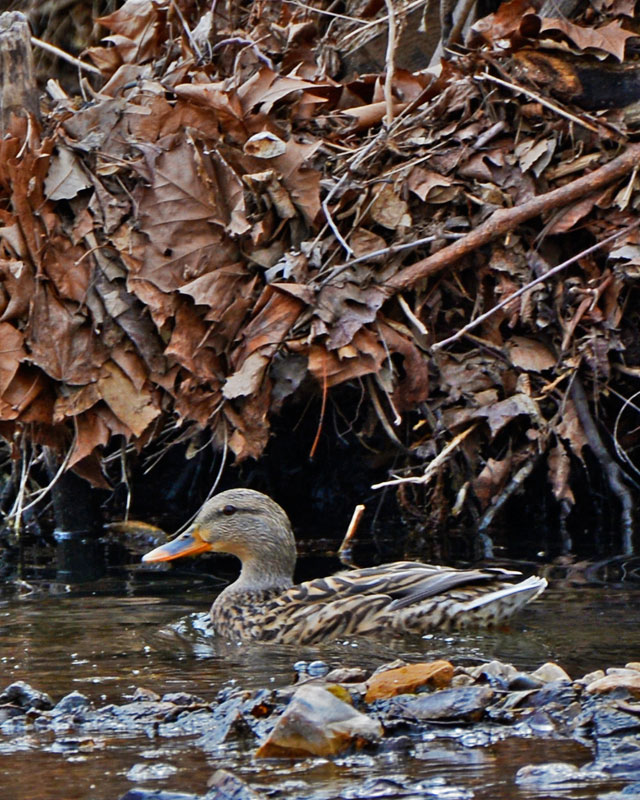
(71, 704)
(151, 772)
(319, 723)
(523, 681)
(227, 720)
(559, 692)
(25, 696)
(407, 679)
(465, 703)
(224, 785)
(157, 794)
(547, 774)
(182, 699)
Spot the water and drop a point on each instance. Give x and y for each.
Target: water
(107, 639)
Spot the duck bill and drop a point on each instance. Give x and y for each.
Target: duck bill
(189, 543)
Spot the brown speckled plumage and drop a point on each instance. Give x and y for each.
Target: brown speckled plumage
(402, 597)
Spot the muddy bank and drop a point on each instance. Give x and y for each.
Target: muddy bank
(401, 713)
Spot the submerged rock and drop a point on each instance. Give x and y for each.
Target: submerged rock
(25, 696)
(151, 772)
(224, 785)
(319, 723)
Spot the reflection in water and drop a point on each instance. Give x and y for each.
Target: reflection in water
(106, 645)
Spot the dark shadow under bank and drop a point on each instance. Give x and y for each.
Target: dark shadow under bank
(320, 493)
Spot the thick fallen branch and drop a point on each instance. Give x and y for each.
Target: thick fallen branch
(504, 220)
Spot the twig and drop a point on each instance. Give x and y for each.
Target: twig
(51, 48)
(390, 62)
(506, 219)
(516, 87)
(344, 551)
(550, 273)
(485, 542)
(433, 465)
(611, 468)
(384, 251)
(246, 43)
(382, 416)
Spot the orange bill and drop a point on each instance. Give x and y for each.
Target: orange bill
(189, 543)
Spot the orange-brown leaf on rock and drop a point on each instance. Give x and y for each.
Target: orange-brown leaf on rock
(610, 39)
(136, 408)
(491, 479)
(559, 466)
(365, 355)
(61, 341)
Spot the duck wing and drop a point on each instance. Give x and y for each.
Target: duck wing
(403, 582)
(400, 597)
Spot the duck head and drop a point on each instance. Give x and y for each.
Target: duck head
(246, 524)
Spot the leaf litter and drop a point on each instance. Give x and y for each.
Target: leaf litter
(231, 213)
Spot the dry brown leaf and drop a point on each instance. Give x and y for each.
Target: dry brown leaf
(559, 473)
(530, 354)
(610, 38)
(134, 407)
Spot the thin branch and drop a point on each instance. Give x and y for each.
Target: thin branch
(51, 48)
(516, 87)
(506, 219)
(550, 273)
(390, 68)
(433, 465)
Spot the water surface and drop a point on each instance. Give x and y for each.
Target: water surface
(108, 638)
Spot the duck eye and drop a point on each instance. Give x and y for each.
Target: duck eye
(229, 510)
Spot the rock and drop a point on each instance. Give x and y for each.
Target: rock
(182, 699)
(407, 679)
(71, 703)
(547, 774)
(550, 672)
(25, 696)
(620, 679)
(227, 719)
(633, 665)
(318, 722)
(224, 785)
(157, 794)
(495, 673)
(145, 694)
(464, 703)
(524, 682)
(151, 772)
(347, 675)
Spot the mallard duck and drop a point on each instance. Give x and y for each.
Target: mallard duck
(403, 597)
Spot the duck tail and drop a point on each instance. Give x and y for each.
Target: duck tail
(505, 601)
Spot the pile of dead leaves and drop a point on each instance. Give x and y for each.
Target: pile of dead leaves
(230, 212)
